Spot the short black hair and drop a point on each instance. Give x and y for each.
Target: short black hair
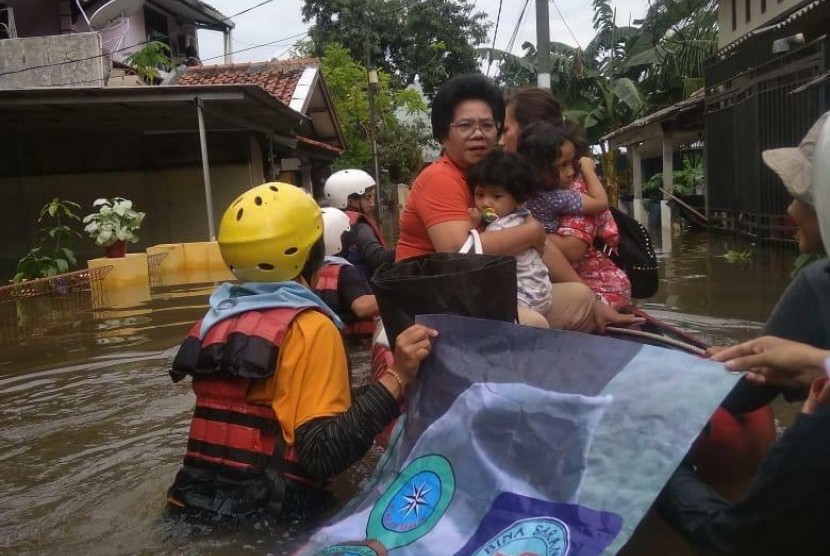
(506, 170)
(541, 143)
(315, 260)
(472, 86)
(577, 136)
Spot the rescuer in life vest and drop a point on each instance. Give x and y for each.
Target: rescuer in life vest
(341, 285)
(355, 193)
(275, 418)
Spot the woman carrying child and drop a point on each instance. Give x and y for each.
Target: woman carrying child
(575, 233)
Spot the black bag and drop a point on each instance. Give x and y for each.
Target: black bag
(481, 286)
(634, 255)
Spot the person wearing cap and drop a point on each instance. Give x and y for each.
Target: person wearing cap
(340, 284)
(786, 508)
(275, 419)
(355, 193)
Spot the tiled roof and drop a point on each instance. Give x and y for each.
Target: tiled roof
(278, 77)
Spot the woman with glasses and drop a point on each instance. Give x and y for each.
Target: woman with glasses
(467, 115)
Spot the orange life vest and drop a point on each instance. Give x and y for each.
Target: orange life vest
(236, 460)
(326, 287)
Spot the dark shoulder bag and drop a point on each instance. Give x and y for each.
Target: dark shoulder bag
(634, 255)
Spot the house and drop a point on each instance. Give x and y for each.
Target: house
(765, 86)
(297, 83)
(181, 152)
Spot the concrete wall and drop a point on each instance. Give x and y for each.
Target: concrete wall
(50, 52)
(173, 200)
(35, 18)
(729, 32)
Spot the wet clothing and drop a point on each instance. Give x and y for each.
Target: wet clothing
(548, 205)
(802, 315)
(785, 510)
(275, 417)
(597, 271)
(367, 248)
(534, 287)
(339, 284)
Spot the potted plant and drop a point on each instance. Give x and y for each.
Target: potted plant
(113, 225)
(52, 255)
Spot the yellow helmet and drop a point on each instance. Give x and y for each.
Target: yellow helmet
(268, 232)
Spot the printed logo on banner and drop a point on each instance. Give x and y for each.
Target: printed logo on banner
(544, 536)
(518, 525)
(407, 510)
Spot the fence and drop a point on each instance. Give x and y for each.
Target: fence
(752, 111)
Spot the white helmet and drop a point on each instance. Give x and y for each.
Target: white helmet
(335, 224)
(344, 183)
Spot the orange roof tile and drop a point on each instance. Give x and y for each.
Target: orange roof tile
(278, 77)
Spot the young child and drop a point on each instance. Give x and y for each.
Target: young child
(501, 184)
(554, 158)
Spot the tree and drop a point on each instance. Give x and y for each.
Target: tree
(399, 143)
(424, 40)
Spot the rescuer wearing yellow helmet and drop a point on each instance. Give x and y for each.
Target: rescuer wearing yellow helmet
(275, 417)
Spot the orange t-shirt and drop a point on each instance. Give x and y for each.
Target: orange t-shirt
(439, 194)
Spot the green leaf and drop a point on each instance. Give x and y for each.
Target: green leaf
(61, 265)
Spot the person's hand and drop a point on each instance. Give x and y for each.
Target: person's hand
(819, 395)
(475, 217)
(605, 315)
(539, 235)
(411, 347)
(712, 350)
(773, 360)
(587, 163)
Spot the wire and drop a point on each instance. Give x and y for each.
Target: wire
(568, 27)
(278, 56)
(512, 40)
(495, 34)
(73, 61)
(272, 43)
(246, 10)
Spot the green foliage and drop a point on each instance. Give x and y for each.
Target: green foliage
(149, 59)
(399, 144)
(424, 40)
(685, 180)
(735, 256)
(115, 221)
(52, 255)
(625, 71)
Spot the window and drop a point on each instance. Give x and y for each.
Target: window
(734, 14)
(763, 6)
(748, 10)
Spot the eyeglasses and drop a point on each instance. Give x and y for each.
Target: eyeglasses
(466, 128)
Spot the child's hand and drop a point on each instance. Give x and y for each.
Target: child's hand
(587, 163)
(819, 396)
(475, 217)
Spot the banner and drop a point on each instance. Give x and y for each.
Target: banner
(519, 441)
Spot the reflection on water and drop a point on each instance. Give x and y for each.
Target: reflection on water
(92, 430)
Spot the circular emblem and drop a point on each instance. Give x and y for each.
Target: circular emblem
(411, 506)
(538, 536)
(365, 548)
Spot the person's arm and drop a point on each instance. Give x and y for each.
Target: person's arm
(571, 246)
(559, 267)
(355, 293)
(365, 307)
(448, 237)
(371, 251)
(777, 361)
(328, 445)
(596, 200)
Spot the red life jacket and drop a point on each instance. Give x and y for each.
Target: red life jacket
(326, 287)
(356, 217)
(231, 441)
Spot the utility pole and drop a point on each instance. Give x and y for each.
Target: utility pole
(542, 44)
(372, 83)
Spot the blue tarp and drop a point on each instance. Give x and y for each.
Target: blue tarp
(521, 441)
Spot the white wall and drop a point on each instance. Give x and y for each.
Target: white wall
(757, 18)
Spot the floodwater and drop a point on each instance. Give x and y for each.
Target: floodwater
(92, 430)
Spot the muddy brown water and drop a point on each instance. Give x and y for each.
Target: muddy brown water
(92, 430)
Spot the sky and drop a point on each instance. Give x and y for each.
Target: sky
(280, 21)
